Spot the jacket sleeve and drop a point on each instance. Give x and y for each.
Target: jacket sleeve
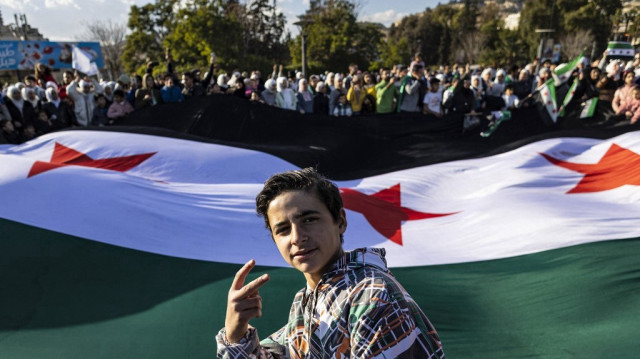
(114, 111)
(410, 89)
(72, 90)
(251, 347)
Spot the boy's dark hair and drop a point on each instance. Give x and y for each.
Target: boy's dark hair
(308, 180)
(118, 92)
(508, 87)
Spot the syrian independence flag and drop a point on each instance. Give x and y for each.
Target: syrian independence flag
(568, 97)
(618, 49)
(547, 100)
(589, 108)
(123, 245)
(562, 73)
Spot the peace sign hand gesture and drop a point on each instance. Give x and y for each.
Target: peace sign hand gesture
(244, 303)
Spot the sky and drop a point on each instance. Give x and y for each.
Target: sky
(62, 20)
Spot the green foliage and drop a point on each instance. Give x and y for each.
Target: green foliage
(242, 36)
(335, 39)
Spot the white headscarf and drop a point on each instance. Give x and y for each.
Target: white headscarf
(18, 103)
(49, 95)
(25, 95)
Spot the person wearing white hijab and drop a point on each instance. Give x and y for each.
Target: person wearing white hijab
(269, 93)
(83, 98)
(285, 98)
(21, 112)
(29, 95)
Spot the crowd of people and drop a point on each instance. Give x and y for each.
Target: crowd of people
(41, 104)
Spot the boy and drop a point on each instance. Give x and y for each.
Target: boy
(433, 99)
(352, 306)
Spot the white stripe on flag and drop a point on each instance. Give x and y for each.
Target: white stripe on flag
(196, 200)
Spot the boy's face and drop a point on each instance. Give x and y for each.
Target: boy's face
(636, 94)
(102, 101)
(43, 116)
(305, 233)
(118, 98)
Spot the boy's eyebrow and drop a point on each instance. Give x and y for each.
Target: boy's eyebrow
(296, 216)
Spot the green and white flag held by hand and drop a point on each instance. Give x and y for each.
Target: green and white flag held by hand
(562, 73)
(589, 108)
(548, 98)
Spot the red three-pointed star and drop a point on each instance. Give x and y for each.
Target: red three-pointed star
(618, 167)
(65, 156)
(383, 210)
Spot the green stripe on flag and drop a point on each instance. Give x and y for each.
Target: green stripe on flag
(562, 73)
(66, 297)
(589, 108)
(619, 45)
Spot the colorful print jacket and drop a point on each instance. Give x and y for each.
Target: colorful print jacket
(358, 310)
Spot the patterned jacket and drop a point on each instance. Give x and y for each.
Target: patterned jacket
(358, 310)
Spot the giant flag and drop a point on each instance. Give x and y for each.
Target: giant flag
(123, 243)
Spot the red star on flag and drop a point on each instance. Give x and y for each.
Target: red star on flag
(384, 211)
(65, 156)
(618, 167)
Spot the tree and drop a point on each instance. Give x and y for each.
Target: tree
(111, 36)
(574, 43)
(149, 25)
(335, 39)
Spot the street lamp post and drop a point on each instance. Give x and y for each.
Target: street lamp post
(302, 24)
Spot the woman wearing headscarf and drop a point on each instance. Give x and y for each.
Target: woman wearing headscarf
(21, 111)
(304, 97)
(58, 110)
(285, 98)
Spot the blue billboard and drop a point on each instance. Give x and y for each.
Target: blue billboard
(24, 55)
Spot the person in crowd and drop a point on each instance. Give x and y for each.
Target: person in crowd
(321, 100)
(511, 101)
(463, 100)
(269, 93)
(631, 110)
(119, 108)
(285, 98)
(369, 86)
(107, 91)
(240, 87)
(478, 90)
(148, 95)
(8, 133)
(623, 94)
(313, 82)
(386, 93)
(222, 82)
(67, 77)
(136, 83)
(82, 92)
(356, 94)
(543, 76)
(304, 98)
(22, 113)
(496, 87)
(190, 87)
(43, 74)
(432, 101)
(343, 108)
(170, 93)
(417, 61)
(329, 82)
(100, 112)
(251, 85)
(357, 307)
(409, 98)
(336, 92)
(58, 110)
(29, 95)
(522, 87)
(43, 123)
